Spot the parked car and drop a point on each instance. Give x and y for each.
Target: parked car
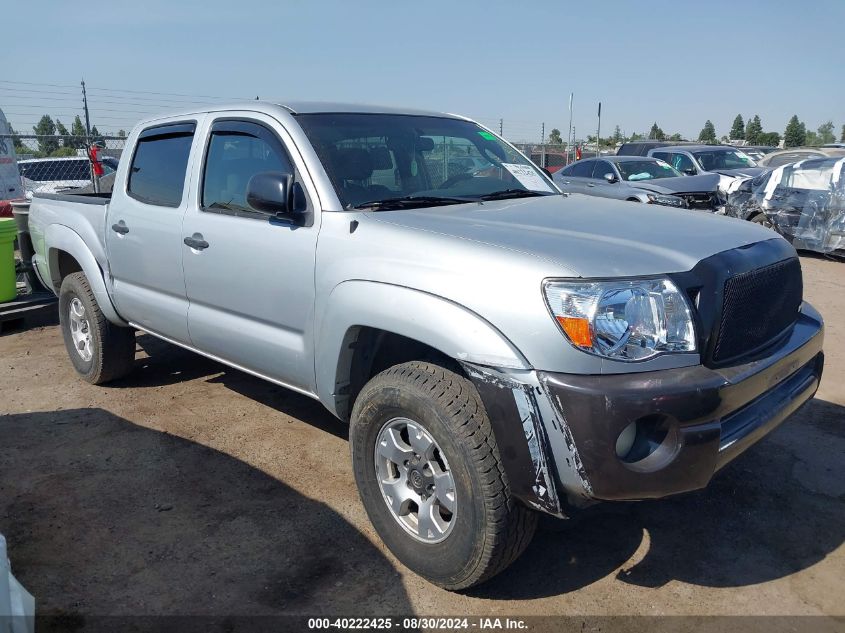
(803, 201)
(498, 349)
(730, 163)
(640, 179)
(795, 154)
(758, 152)
(642, 148)
(55, 175)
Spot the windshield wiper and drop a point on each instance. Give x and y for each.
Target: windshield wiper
(410, 202)
(513, 193)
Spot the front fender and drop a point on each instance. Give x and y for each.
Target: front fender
(62, 238)
(442, 324)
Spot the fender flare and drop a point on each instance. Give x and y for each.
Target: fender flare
(430, 319)
(63, 238)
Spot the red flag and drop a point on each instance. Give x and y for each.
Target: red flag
(95, 161)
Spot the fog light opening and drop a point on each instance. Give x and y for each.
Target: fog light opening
(649, 443)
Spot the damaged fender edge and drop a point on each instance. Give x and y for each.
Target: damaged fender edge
(536, 447)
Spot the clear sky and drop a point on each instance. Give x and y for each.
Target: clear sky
(677, 63)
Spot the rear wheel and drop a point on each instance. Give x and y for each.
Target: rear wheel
(99, 350)
(430, 477)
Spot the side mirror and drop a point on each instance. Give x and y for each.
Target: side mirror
(610, 178)
(276, 194)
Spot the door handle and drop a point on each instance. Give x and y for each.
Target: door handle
(197, 243)
(120, 227)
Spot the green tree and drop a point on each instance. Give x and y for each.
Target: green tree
(617, 135)
(708, 132)
(656, 133)
(64, 151)
(46, 131)
(753, 130)
(76, 128)
(812, 139)
(636, 136)
(771, 139)
(842, 136)
(676, 137)
(77, 131)
(826, 134)
(795, 134)
(554, 137)
(122, 133)
(738, 128)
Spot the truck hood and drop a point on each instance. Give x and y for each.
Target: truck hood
(679, 184)
(585, 236)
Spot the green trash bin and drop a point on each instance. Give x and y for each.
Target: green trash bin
(8, 232)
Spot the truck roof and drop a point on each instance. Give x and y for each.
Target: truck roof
(301, 107)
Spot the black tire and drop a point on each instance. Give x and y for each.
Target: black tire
(491, 528)
(112, 347)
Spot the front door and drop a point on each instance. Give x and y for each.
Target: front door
(249, 278)
(144, 232)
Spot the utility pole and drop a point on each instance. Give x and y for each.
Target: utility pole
(571, 138)
(500, 127)
(85, 107)
(95, 180)
(598, 132)
(543, 145)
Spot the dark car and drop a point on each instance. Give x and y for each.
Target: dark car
(640, 179)
(641, 148)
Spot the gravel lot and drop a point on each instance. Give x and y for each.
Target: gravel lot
(191, 488)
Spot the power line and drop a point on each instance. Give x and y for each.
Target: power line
(120, 90)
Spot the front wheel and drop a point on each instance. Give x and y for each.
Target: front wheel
(99, 350)
(430, 477)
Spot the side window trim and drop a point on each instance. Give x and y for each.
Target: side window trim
(177, 128)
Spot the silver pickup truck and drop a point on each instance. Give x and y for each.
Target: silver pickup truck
(498, 349)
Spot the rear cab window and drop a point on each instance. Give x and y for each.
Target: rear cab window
(160, 163)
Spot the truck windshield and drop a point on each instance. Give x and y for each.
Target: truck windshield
(394, 159)
(723, 159)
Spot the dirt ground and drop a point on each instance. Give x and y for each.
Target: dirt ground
(191, 488)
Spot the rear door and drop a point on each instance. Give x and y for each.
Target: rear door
(144, 231)
(251, 286)
(577, 177)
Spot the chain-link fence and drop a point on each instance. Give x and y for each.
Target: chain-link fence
(547, 154)
(54, 164)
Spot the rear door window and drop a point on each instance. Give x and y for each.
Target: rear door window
(583, 169)
(157, 172)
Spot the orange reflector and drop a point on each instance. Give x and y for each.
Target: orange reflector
(578, 330)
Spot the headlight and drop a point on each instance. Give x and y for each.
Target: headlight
(670, 201)
(627, 319)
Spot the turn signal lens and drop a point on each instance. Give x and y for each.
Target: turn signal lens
(578, 330)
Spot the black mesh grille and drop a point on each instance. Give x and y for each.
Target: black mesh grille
(758, 305)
